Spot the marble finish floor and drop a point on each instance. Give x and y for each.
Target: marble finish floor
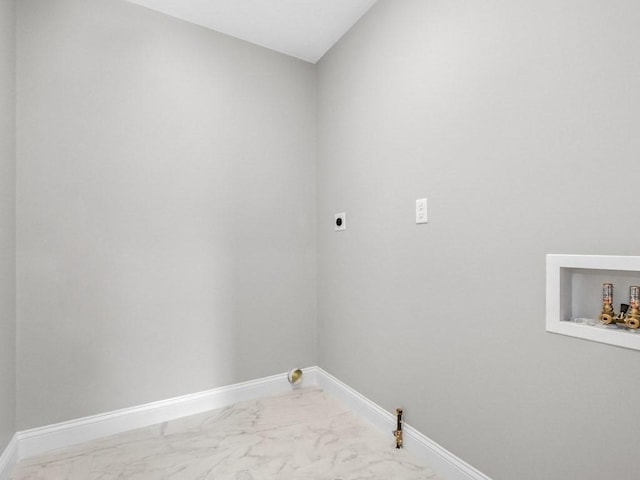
(304, 434)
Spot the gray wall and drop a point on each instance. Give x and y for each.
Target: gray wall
(519, 121)
(7, 222)
(166, 231)
(166, 212)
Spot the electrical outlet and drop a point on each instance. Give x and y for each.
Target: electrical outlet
(340, 221)
(421, 210)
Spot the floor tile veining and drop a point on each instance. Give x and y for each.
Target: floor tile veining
(301, 435)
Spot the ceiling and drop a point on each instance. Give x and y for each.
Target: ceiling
(304, 29)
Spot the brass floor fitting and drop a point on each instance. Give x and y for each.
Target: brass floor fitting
(295, 377)
(398, 431)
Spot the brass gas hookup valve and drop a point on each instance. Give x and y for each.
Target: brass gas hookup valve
(398, 431)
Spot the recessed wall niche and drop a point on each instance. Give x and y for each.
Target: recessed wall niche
(574, 296)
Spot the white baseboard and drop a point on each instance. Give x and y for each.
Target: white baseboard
(445, 463)
(36, 441)
(9, 458)
(40, 440)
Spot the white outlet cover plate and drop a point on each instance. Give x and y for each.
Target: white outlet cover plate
(340, 218)
(421, 210)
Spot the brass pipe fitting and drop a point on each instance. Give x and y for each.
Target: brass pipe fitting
(398, 431)
(295, 377)
(608, 315)
(633, 318)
